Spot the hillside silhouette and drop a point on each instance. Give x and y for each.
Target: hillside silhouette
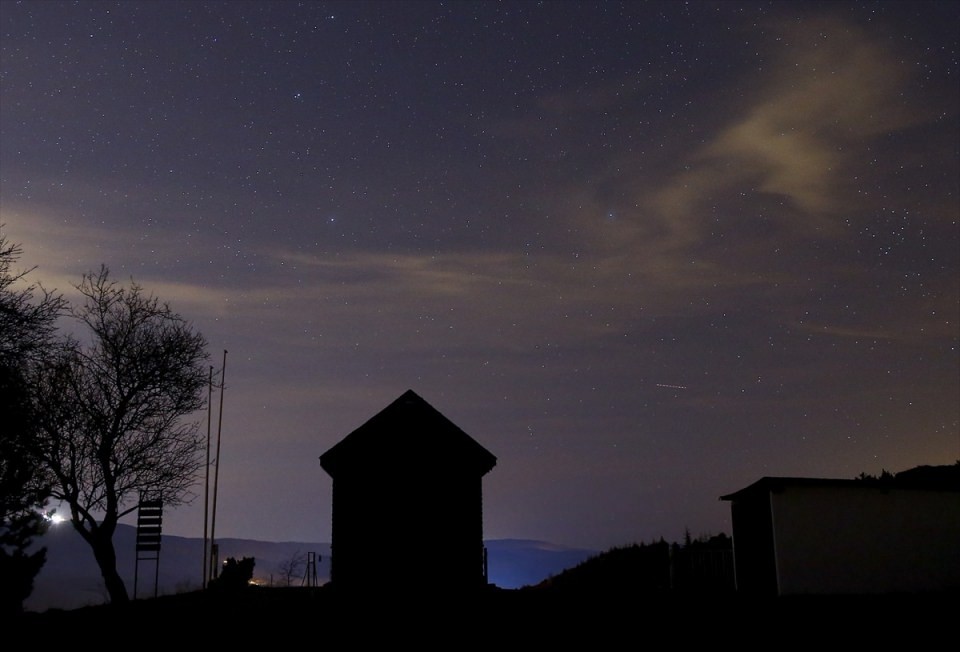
(682, 593)
(592, 604)
(697, 566)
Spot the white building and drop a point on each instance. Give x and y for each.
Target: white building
(899, 534)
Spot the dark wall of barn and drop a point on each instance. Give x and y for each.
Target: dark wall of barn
(753, 546)
(393, 528)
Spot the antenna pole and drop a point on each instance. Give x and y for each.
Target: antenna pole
(216, 471)
(206, 480)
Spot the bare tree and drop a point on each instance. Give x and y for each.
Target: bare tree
(28, 312)
(114, 413)
(27, 321)
(291, 567)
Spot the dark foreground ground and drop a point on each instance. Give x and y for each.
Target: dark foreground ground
(509, 619)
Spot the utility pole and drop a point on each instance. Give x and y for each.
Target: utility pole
(206, 483)
(214, 549)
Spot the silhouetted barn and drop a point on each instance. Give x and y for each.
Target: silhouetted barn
(795, 536)
(407, 501)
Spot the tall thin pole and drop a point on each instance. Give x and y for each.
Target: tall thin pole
(206, 480)
(216, 471)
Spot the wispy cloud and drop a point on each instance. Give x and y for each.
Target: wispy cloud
(804, 130)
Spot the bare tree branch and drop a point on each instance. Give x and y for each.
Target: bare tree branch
(116, 411)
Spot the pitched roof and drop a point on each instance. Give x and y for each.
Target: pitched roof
(768, 484)
(927, 478)
(408, 432)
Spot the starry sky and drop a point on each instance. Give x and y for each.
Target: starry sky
(644, 252)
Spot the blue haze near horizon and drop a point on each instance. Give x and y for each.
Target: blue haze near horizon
(70, 578)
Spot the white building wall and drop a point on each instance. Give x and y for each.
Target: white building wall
(840, 540)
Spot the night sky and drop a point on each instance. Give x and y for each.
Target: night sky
(645, 253)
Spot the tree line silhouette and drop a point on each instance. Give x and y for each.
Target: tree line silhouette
(704, 564)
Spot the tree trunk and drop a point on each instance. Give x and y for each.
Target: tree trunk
(106, 558)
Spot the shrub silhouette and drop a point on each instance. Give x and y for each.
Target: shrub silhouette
(234, 574)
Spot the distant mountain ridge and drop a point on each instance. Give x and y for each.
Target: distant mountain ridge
(71, 579)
